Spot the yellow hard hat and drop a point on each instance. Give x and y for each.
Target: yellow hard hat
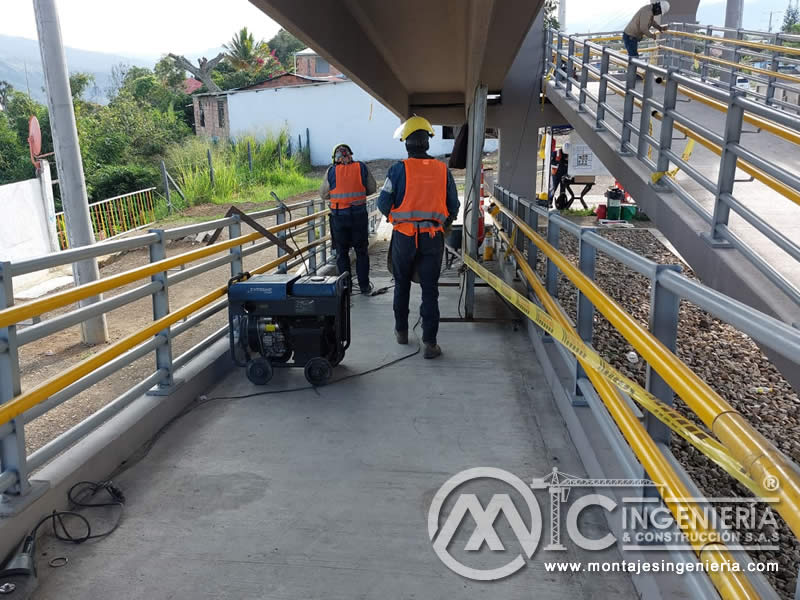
(413, 124)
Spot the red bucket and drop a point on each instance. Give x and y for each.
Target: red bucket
(600, 211)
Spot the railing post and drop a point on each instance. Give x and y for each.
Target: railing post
(312, 235)
(234, 231)
(570, 65)
(280, 218)
(533, 222)
(770, 95)
(559, 46)
(665, 139)
(586, 57)
(727, 169)
(644, 118)
(522, 208)
(587, 258)
(602, 92)
(552, 270)
(158, 251)
(664, 311)
(323, 231)
(13, 456)
(627, 115)
(706, 54)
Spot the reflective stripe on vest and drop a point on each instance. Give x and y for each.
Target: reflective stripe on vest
(424, 205)
(349, 189)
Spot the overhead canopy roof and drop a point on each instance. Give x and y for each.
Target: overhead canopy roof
(415, 56)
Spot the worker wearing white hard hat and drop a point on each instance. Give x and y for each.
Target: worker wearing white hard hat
(640, 25)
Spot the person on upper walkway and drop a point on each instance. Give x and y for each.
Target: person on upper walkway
(346, 186)
(640, 25)
(420, 199)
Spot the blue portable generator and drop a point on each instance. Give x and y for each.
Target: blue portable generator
(280, 320)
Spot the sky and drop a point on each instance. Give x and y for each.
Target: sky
(143, 28)
(150, 28)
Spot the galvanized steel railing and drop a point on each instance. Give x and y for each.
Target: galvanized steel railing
(574, 70)
(666, 374)
(20, 406)
(115, 216)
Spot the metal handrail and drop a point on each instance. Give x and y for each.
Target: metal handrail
(735, 42)
(44, 390)
(761, 459)
(738, 110)
(15, 314)
(677, 496)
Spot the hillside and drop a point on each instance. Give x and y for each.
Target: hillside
(18, 55)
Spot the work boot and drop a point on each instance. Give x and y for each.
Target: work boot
(401, 337)
(432, 350)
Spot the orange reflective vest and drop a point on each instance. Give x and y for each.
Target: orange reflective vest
(349, 190)
(424, 205)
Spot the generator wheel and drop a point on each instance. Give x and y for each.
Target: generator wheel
(318, 371)
(259, 371)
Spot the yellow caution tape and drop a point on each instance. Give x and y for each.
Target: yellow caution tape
(544, 87)
(687, 154)
(682, 426)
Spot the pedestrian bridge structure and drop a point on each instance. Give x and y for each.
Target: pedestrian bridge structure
(368, 487)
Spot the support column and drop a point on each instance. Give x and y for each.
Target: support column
(472, 182)
(734, 9)
(68, 157)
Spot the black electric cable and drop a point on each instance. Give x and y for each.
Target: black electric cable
(311, 387)
(78, 500)
(290, 232)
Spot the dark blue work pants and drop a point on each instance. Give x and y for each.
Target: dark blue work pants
(350, 229)
(426, 257)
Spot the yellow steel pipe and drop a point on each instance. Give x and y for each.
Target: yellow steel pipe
(20, 312)
(705, 541)
(728, 63)
(753, 171)
(735, 42)
(764, 463)
(27, 400)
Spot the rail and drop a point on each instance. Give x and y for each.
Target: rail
(18, 407)
(579, 78)
(115, 216)
(667, 375)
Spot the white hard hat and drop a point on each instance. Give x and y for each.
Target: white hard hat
(664, 7)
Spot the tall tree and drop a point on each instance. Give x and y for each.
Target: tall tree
(5, 91)
(202, 71)
(169, 73)
(79, 83)
(551, 14)
(791, 18)
(284, 45)
(244, 52)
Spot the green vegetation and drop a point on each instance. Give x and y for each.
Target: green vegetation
(273, 170)
(149, 117)
(578, 212)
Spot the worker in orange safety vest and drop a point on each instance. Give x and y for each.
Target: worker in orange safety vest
(346, 186)
(420, 199)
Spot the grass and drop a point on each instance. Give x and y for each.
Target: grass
(581, 212)
(234, 181)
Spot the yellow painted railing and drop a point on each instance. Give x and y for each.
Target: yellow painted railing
(763, 462)
(20, 312)
(705, 541)
(44, 390)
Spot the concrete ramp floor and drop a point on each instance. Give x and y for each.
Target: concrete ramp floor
(325, 493)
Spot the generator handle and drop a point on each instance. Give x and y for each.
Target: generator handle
(240, 277)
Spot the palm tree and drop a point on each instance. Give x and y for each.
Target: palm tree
(243, 52)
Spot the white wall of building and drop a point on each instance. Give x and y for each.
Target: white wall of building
(24, 228)
(334, 113)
